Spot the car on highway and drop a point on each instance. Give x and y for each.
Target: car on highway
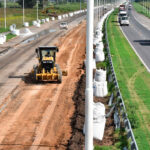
(129, 7)
(64, 25)
(124, 21)
(121, 14)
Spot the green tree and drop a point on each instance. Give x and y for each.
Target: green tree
(27, 3)
(1, 5)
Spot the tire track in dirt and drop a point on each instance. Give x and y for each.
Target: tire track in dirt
(35, 119)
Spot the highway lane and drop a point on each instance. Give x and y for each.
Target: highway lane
(139, 37)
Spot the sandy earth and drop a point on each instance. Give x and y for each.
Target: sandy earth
(38, 117)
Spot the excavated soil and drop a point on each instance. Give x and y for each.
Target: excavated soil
(38, 116)
(77, 140)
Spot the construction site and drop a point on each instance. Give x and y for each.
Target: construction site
(64, 84)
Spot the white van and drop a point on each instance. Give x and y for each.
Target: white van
(124, 21)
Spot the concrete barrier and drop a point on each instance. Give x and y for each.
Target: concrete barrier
(100, 89)
(26, 24)
(16, 32)
(53, 18)
(34, 22)
(71, 14)
(43, 20)
(47, 19)
(66, 15)
(38, 25)
(99, 56)
(59, 17)
(100, 75)
(12, 27)
(39, 21)
(2, 39)
(99, 47)
(99, 34)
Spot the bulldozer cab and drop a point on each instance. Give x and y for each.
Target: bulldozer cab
(47, 56)
(47, 69)
(46, 53)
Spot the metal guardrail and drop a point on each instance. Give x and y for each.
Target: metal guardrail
(120, 101)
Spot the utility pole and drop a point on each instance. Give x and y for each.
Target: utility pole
(97, 10)
(89, 77)
(23, 11)
(5, 13)
(37, 9)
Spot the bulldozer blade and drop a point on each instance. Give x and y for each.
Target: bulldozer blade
(64, 73)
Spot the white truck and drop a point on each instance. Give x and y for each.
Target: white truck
(124, 21)
(121, 14)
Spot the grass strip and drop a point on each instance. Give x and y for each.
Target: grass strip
(140, 9)
(133, 81)
(10, 36)
(4, 30)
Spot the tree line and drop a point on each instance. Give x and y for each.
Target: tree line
(32, 3)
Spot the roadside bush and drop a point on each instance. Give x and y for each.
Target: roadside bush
(27, 4)
(1, 5)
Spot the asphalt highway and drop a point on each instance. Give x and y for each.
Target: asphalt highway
(139, 37)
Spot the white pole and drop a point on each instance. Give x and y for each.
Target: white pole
(89, 78)
(5, 13)
(80, 5)
(23, 12)
(37, 10)
(97, 9)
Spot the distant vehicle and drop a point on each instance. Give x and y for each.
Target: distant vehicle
(130, 6)
(64, 25)
(122, 14)
(124, 21)
(122, 8)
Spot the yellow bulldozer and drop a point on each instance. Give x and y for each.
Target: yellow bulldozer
(47, 70)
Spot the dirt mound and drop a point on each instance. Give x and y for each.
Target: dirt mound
(77, 139)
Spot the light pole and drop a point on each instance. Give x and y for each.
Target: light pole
(23, 12)
(37, 3)
(5, 13)
(89, 78)
(97, 9)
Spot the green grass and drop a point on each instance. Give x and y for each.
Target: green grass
(11, 5)
(140, 9)
(4, 30)
(64, 8)
(10, 36)
(120, 141)
(134, 82)
(14, 15)
(103, 148)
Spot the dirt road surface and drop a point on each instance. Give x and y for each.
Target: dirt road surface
(38, 116)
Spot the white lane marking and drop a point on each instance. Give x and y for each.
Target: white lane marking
(136, 51)
(145, 26)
